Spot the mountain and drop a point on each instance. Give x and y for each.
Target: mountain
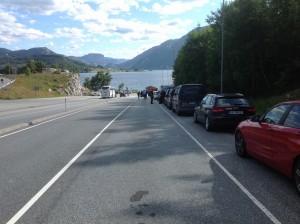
(18, 59)
(27, 53)
(4, 51)
(98, 59)
(158, 57)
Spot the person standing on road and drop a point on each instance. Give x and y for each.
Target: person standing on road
(138, 94)
(151, 96)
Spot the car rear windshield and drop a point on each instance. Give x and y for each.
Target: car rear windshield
(193, 92)
(227, 102)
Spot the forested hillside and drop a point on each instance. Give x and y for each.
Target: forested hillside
(15, 62)
(261, 49)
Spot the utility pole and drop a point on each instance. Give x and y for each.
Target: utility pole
(222, 47)
(8, 66)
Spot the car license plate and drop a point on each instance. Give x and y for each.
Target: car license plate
(236, 112)
(192, 103)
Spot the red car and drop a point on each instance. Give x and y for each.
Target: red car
(273, 138)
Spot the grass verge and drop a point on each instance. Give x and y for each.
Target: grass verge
(263, 104)
(35, 86)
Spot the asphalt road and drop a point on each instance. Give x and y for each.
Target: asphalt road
(129, 161)
(24, 112)
(4, 81)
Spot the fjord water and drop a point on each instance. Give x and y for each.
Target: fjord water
(137, 80)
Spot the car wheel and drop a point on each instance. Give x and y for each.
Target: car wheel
(195, 117)
(296, 175)
(208, 126)
(240, 146)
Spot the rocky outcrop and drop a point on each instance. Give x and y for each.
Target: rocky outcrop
(74, 87)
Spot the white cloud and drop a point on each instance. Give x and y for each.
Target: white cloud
(32, 34)
(32, 21)
(133, 30)
(74, 45)
(84, 12)
(73, 33)
(177, 7)
(116, 7)
(43, 7)
(11, 31)
(94, 40)
(51, 44)
(100, 11)
(98, 18)
(78, 24)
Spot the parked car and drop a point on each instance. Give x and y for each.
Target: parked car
(273, 138)
(162, 96)
(156, 95)
(226, 110)
(170, 99)
(97, 93)
(163, 93)
(186, 97)
(166, 96)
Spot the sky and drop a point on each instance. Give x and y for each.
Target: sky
(114, 28)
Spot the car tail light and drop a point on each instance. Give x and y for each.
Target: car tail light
(217, 110)
(251, 110)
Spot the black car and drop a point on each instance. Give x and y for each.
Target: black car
(225, 110)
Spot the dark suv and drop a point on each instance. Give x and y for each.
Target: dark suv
(186, 97)
(223, 110)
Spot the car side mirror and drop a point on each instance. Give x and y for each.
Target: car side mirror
(255, 118)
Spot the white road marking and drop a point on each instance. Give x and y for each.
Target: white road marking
(244, 189)
(53, 119)
(69, 106)
(36, 197)
(32, 126)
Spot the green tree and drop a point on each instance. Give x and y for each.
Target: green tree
(121, 86)
(31, 65)
(261, 42)
(27, 72)
(39, 66)
(100, 79)
(8, 69)
(191, 62)
(87, 83)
